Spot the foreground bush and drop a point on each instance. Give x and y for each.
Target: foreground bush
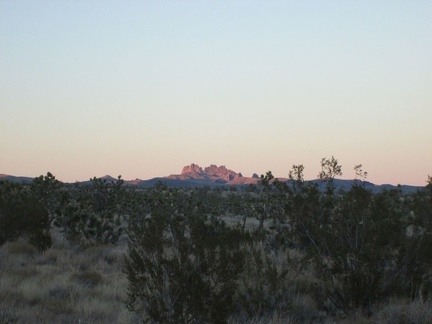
(182, 268)
(21, 214)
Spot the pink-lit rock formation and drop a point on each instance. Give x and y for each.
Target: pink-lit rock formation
(212, 173)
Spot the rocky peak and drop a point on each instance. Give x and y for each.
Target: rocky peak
(222, 172)
(193, 168)
(212, 172)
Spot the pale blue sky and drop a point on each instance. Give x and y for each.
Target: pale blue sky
(142, 88)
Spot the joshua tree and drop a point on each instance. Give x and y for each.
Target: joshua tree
(329, 169)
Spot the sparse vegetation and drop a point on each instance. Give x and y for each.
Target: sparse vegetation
(275, 252)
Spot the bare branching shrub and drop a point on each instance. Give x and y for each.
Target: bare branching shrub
(181, 266)
(263, 284)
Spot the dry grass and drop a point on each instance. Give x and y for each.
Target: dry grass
(62, 285)
(403, 312)
(69, 285)
(275, 318)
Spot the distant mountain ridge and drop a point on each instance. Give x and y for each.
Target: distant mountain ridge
(11, 178)
(218, 176)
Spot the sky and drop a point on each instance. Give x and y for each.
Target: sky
(142, 88)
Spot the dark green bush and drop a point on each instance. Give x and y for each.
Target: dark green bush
(363, 248)
(22, 214)
(91, 214)
(182, 268)
(358, 243)
(263, 286)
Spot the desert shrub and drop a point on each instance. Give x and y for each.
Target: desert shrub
(182, 266)
(50, 193)
(88, 213)
(263, 285)
(358, 244)
(41, 239)
(420, 220)
(92, 213)
(21, 214)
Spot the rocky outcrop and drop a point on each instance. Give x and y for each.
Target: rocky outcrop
(193, 168)
(221, 172)
(214, 173)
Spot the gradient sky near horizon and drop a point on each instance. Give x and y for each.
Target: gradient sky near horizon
(142, 88)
